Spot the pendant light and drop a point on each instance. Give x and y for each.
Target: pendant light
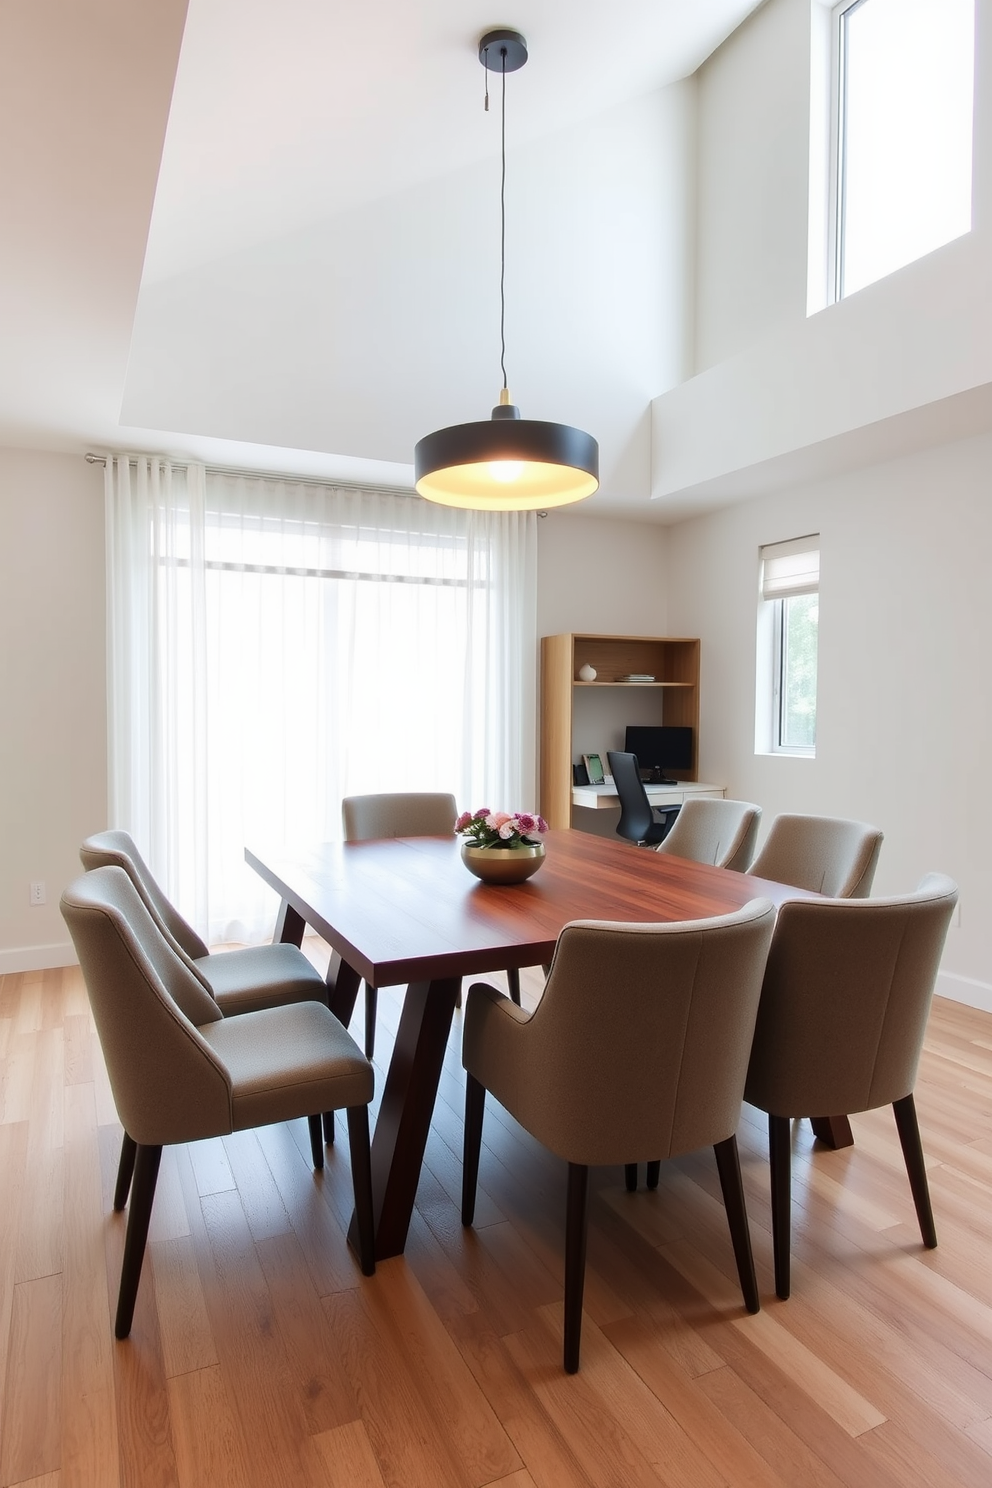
(506, 463)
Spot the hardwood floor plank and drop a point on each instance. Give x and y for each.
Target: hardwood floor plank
(410, 1446)
(187, 1342)
(313, 1358)
(349, 1458)
(404, 1318)
(31, 1443)
(94, 1437)
(13, 1157)
(209, 1444)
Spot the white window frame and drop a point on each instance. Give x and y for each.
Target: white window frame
(833, 290)
(770, 691)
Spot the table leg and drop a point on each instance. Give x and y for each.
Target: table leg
(833, 1131)
(404, 1119)
(290, 925)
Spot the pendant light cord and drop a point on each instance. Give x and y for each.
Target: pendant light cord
(502, 226)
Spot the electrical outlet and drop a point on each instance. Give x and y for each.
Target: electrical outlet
(36, 893)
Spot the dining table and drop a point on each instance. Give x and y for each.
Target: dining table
(407, 912)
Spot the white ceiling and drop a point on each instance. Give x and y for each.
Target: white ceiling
(287, 114)
(258, 123)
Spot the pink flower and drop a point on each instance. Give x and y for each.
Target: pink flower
(542, 825)
(526, 822)
(507, 829)
(482, 813)
(497, 820)
(463, 821)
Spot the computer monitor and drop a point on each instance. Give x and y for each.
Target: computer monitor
(661, 748)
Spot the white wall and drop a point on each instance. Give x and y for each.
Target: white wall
(604, 577)
(752, 163)
(53, 743)
(904, 716)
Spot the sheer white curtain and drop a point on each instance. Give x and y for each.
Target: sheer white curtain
(276, 645)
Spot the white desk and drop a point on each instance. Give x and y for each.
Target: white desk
(603, 797)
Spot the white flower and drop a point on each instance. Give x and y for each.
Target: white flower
(507, 830)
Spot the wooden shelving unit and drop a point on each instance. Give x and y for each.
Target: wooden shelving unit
(672, 660)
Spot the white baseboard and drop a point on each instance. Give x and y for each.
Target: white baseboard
(964, 989)
(37, 958)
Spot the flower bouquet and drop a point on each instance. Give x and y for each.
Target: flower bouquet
(501, 847)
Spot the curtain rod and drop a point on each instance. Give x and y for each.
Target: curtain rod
(302, 480)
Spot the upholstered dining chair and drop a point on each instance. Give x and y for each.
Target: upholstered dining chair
(661, 1070)
(638, 821)
(840, 1026)
(709, 830)
(181, 1071)
(826, 854)
(399, 814)
(241, 980)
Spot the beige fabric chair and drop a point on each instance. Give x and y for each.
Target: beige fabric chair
(180, 1071)
(843, 1013)
(823, 853)
(660, 1071)
(714, 831)
(241, 981)
(396, 814)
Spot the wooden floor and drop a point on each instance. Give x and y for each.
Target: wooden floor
(261, 1356)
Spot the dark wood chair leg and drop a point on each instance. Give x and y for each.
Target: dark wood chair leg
(908, 1128)
(475, 1106)
(630, 1177)
(513, 984)
(146, 1166)
(316, 1142)
(780, 1162)
(832, 1131)
(361, 1174)
(575, 1261)
(654, 1174)
(729, 1167)
(331, 983)
(371, 1003)
(125, 1168)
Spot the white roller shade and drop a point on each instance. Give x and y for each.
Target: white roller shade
(790, 568)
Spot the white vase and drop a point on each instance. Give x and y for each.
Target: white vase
(587, 673)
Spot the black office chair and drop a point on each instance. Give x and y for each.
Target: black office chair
(639, 822)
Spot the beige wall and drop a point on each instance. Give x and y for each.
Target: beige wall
(53, 746)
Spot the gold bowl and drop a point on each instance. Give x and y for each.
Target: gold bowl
(503, 865)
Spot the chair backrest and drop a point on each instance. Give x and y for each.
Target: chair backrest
(826, 854)
(117, 849)
(845, 1001)
(709, 830)
(639, 1046)
(168, 1084)
(636, 816)
(398, 814)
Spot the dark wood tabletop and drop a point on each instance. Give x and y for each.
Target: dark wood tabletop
(407, 910)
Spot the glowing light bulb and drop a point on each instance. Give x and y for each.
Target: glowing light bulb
(506, 471)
